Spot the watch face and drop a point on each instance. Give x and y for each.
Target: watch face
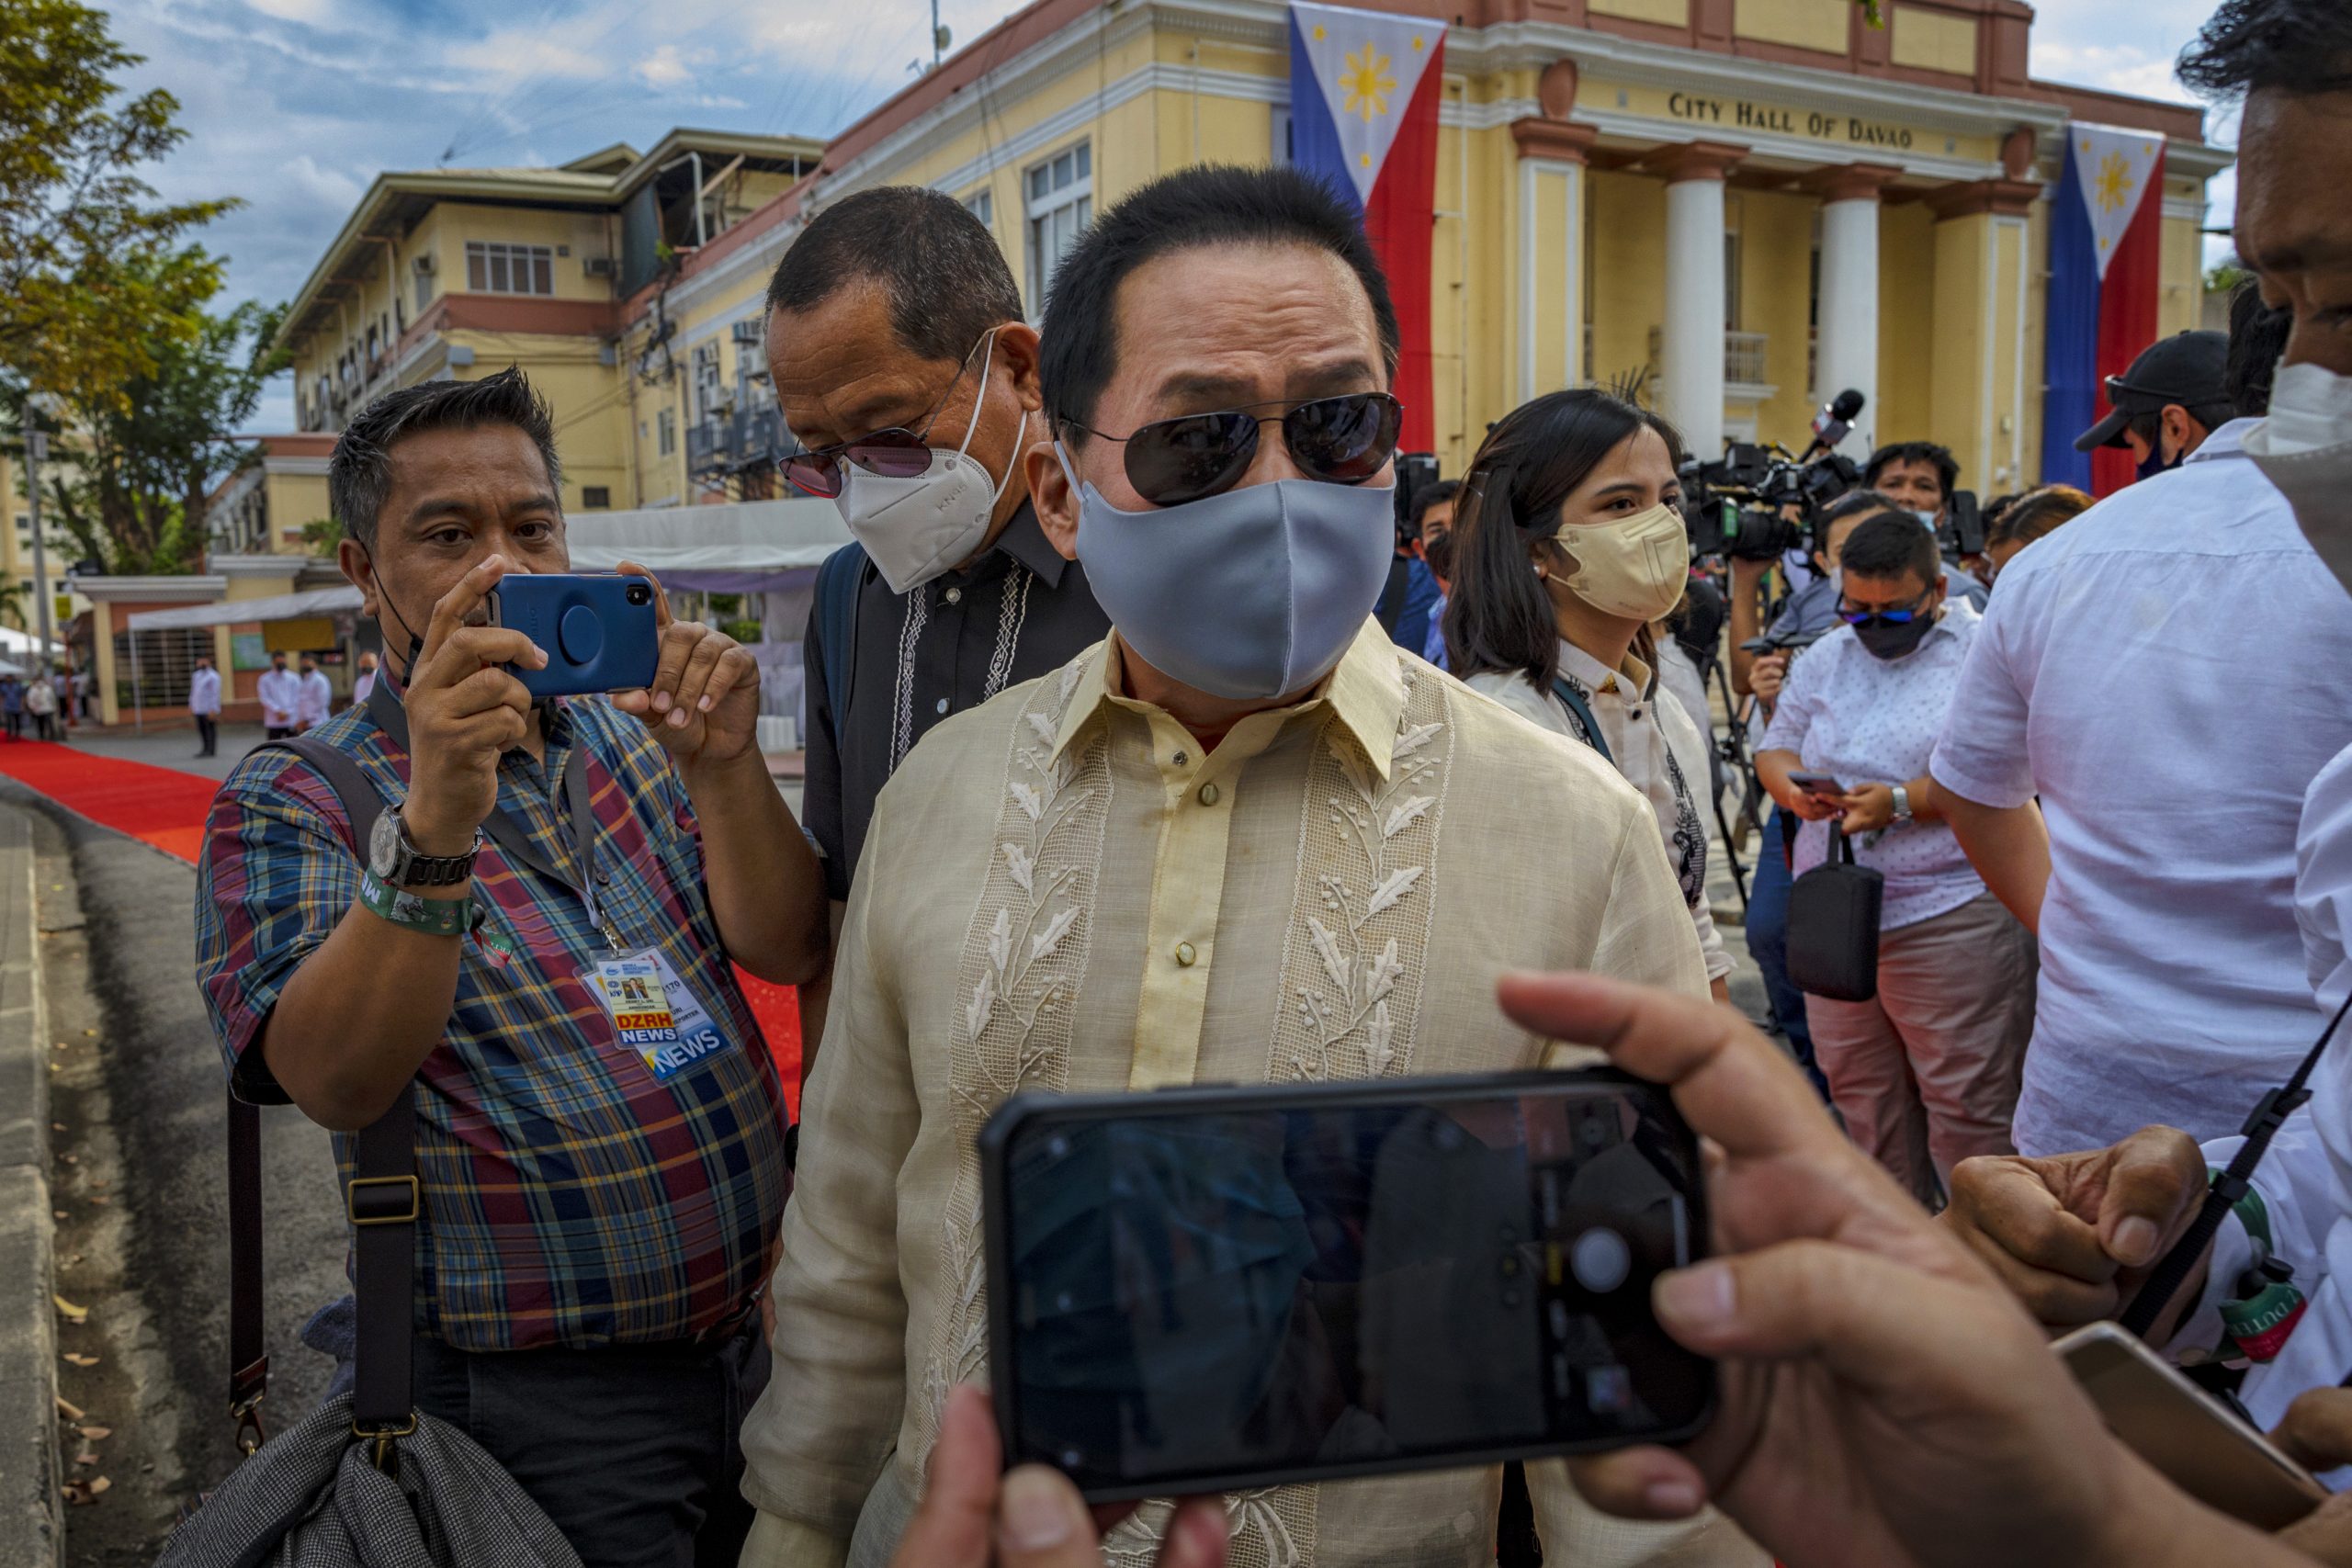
(384, 846)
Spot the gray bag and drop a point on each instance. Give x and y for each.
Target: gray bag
(365, 1479)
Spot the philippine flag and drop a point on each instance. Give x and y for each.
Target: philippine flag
(1363, 94)
(2106, 225)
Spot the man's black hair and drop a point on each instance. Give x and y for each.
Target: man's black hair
(1891, 545)
(1853, 503)
(1209, 205)
(1947, 467)
(937, 265)
(2295, 46)
(2258, 337)
(359, 475)
(1434, 495)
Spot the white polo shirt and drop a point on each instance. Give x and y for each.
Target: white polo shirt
(2167, 673)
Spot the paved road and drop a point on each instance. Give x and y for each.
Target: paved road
(142, 1243)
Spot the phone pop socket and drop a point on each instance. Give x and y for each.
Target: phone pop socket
(581, 634)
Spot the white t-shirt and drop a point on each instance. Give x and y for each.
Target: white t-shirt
(1652, 741)
(2167, 673)
(1862, 720)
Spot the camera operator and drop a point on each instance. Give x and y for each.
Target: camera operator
(1922, 477)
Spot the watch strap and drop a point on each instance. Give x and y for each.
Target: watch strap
(1902, 803)
(416, 870)
(433, 917)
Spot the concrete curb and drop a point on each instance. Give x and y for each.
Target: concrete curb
(31, 1533)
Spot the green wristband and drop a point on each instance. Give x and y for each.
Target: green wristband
(433, 917)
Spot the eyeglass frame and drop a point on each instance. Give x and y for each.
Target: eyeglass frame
(1288, 407)
(837, 453)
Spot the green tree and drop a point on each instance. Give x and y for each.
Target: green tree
(94, 268)
(132, 482)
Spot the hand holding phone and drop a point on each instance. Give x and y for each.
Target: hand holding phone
(598, 630)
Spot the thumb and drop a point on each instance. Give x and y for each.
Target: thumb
(1042, 1522)
(951, 1528)
(2153, 1184)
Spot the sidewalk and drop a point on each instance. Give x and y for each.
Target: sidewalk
(30, 1536)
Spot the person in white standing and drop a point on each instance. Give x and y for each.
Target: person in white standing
(40, 701)
(364, 681)
(280, 692)
(316, 700)
(2117, 679)
(204, 703)
(1925, 1073)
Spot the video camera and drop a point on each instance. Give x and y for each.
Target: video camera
(1736, 506)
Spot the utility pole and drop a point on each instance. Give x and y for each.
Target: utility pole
(37, 448)
(938, 37)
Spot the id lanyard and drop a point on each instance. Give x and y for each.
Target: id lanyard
(509, 835)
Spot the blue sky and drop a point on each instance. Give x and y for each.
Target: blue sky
(295, 105)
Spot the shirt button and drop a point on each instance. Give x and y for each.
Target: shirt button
(1208, 794)
(1185, 956)
(954, 596)
(943, 705)
(1180, 759)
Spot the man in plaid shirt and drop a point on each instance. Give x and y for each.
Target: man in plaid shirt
(598, 1214)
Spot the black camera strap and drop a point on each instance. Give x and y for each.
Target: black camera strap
(2270, 1113)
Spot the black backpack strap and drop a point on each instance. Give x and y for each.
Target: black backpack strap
(1574, 700)
(382, 1203)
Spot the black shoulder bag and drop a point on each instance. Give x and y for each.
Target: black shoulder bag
(1833, 926)
(363, 1479)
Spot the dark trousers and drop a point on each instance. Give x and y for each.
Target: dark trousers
(1768, 943)
(631, 1450)
(16, 725)
(275, 733)
(208, 731)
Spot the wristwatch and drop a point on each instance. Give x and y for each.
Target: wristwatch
(398, 864)
(1902, 806)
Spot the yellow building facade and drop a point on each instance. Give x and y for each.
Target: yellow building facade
(1741, 206)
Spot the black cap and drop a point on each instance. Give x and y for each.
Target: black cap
(2187, 369)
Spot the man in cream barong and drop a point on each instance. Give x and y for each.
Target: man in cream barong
(1245, 839)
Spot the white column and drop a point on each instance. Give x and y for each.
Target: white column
(1848, 349)
(1692, 337)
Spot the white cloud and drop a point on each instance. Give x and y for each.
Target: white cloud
(310, 11)
(665, 68)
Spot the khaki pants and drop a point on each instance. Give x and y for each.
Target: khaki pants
(1926, 1073)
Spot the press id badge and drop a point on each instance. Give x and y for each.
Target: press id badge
(656, 1013)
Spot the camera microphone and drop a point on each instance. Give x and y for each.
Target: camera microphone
(1835, 420)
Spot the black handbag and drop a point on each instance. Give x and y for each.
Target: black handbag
(1833, 926)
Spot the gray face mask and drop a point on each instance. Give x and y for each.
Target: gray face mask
(1249, 595)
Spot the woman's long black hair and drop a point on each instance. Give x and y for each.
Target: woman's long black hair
(1497, 615)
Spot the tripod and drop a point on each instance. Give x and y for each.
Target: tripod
(1731, 752)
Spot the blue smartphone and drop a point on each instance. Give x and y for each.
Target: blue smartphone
(601, 632)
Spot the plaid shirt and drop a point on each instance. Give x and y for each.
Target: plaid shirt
(570, 1197)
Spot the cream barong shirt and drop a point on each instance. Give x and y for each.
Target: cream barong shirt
(1061, 892)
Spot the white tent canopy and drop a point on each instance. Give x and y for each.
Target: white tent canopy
(302, 606)
(742, 536)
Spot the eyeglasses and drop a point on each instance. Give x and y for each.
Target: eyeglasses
(1343, 440)
(1884, 617)
(897, 453)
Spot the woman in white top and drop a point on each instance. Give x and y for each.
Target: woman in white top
(1566, 546)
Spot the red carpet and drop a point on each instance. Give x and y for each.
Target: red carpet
(166, 807)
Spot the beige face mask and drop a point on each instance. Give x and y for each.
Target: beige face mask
(1635, 567)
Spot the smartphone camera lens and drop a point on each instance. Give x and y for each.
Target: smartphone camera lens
(1600, 1260)
(639, 593)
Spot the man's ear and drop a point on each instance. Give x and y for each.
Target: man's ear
(1016, 342)
(351, 556)
(2183, 429)
(1050, 493)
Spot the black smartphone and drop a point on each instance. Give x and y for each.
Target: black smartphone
(1967, 524)
(1220, 1289)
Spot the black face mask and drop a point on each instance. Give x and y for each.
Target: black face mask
(1893, 640)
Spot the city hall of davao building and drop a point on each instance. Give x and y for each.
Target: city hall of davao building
(1745, 205)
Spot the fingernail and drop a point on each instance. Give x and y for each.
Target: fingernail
(677, 718)
(2136, 1240)
(1035, 1510)
(661, 702)
(1701, 1296)
(1675, 1498)
(703, 704)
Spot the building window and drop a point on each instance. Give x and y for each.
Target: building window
(493, 268)
(165, 658)
(1060, 193)
(708, 381)
(982, 204)
(596, 498)
(424, 291)
(665, 425)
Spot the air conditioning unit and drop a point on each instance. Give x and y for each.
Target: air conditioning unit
(600, 266)
(748, 334)
(424, 264)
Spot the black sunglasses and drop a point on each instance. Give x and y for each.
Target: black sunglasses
(1919, 607)
(1343, 440)
(897, 453)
